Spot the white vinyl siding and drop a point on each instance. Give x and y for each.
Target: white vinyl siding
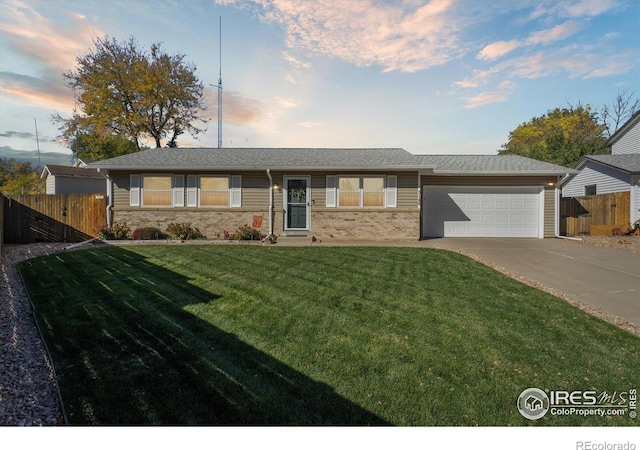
(606, 179)
(629, 143)
(134, 190)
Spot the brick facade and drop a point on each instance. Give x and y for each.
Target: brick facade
(378, 224)
(211, 223)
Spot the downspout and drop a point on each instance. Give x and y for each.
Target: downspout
(109, 197)
(270, 203)
(557, 212)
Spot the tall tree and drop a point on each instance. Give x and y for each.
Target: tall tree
(561, 136)
(127, 93)
(93, 146)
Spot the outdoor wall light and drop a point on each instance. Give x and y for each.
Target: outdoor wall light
(276, 187)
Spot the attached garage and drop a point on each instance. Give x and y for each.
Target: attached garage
(482, 211)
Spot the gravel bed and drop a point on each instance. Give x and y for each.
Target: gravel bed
(626, 243)
(28, 389)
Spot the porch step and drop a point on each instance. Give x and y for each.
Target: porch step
(295, 239)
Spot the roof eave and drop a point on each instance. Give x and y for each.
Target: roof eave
(163, 168)
(519, 173)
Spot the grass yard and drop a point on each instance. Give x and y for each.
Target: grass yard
(233, 334)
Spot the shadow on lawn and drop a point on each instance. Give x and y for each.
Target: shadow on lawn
(127, 352)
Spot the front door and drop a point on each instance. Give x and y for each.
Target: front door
(296, 199)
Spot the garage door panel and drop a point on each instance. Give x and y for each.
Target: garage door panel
(480, 212)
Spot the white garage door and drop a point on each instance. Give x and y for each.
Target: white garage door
(481, 212)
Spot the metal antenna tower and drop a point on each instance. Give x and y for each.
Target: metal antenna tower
(35, 122)
(220, 91)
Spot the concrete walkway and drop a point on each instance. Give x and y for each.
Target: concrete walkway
(602, 278)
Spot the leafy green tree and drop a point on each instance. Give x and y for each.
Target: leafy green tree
(93, 146)
(125, 92)
(561, 136)
(19, 178)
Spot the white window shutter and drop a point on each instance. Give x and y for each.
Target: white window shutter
(134, 190)
(192, 191)
(178, 190)
(392, 191)
(331, 191)
(236, 191)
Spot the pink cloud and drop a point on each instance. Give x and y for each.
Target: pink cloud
(395, 36)
(498, 49)
(554, 34)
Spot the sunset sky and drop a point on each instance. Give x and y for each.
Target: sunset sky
(437, 77)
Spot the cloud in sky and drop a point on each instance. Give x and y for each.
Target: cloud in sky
(533, 56)
(402, 36)
(50, 47)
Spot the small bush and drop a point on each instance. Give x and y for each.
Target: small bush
(116, 231)
(183, 231)
(148, 233)
(246, 233)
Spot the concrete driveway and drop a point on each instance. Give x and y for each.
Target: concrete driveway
(604, 278)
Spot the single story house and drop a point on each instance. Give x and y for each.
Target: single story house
(334, 193)
(617, 172)
(75, 179)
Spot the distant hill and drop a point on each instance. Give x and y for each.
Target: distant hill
(59, 159)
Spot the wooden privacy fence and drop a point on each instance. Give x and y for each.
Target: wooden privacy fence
(53, 218)
(578, 214)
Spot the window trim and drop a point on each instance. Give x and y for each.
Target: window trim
(389, 190)
(234, 190)
(142, 188)
(185, 190)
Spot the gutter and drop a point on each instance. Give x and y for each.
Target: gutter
(270, 204)
(557, 212)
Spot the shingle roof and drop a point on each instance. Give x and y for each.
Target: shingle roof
(628, 163)
(326, 159)
(490, 165)
(261, 158)
(68, 171)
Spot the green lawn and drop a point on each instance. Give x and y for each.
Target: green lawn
(214, 334)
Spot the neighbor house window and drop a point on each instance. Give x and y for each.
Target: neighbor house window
(156, 190)
(590, 189)
(363, 192)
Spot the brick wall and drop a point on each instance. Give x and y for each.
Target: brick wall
(378, 224)
(326, 223)
(211, 223)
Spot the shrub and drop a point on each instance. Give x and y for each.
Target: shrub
(183, 231)
(148, 233)
(116, 231)
(246, 233)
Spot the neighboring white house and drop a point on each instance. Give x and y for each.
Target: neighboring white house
(617, 172)
(73, 179)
